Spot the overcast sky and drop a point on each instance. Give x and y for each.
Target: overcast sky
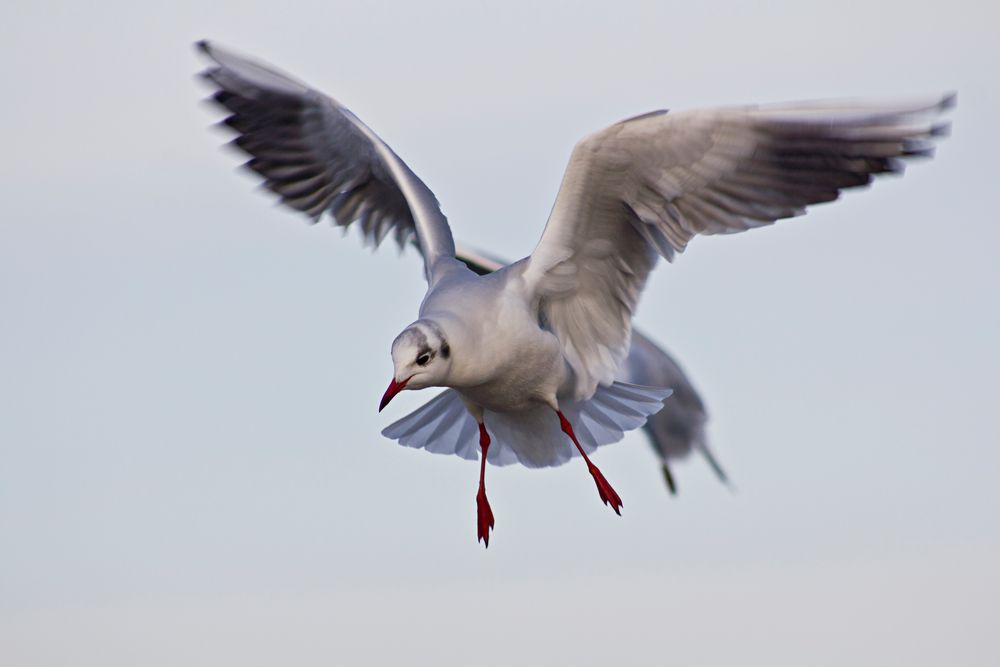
(191, 471)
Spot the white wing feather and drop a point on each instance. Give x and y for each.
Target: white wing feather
(646, 186)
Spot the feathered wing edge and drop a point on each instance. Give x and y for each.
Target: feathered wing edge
(532, 438)
(322, 159)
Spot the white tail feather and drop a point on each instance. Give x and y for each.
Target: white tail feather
(533, 437)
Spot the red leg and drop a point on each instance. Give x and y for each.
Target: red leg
(608, 494)
(483, 511)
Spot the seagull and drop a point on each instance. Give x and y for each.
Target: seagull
(529, 354)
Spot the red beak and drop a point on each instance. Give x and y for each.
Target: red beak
(394, 388)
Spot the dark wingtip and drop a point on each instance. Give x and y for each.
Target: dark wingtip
(714, 464)
(669, 479)
(949, 101)
(941, 130)
(204, 46)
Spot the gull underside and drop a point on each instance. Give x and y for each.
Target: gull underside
(530, 437)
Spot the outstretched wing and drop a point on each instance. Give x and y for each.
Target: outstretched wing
(646, 186)
(319, 157)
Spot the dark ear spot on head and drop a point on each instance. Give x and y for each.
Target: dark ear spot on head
(445, 350)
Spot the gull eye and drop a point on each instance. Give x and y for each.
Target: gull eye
(423, 359)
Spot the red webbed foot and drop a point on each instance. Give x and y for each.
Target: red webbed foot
(484, 514)
(608, 494)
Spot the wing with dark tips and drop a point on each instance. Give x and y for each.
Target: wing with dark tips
(644, 187)
(318, 157)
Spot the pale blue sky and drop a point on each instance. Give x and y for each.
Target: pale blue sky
(191, 471)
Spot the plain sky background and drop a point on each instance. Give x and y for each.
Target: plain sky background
(191, 471)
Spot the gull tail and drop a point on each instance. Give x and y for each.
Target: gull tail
(532, 438)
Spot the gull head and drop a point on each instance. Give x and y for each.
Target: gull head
(421, 357)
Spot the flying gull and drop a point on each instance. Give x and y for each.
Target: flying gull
(529, 354)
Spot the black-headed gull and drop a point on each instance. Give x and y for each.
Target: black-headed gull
(529, 353)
